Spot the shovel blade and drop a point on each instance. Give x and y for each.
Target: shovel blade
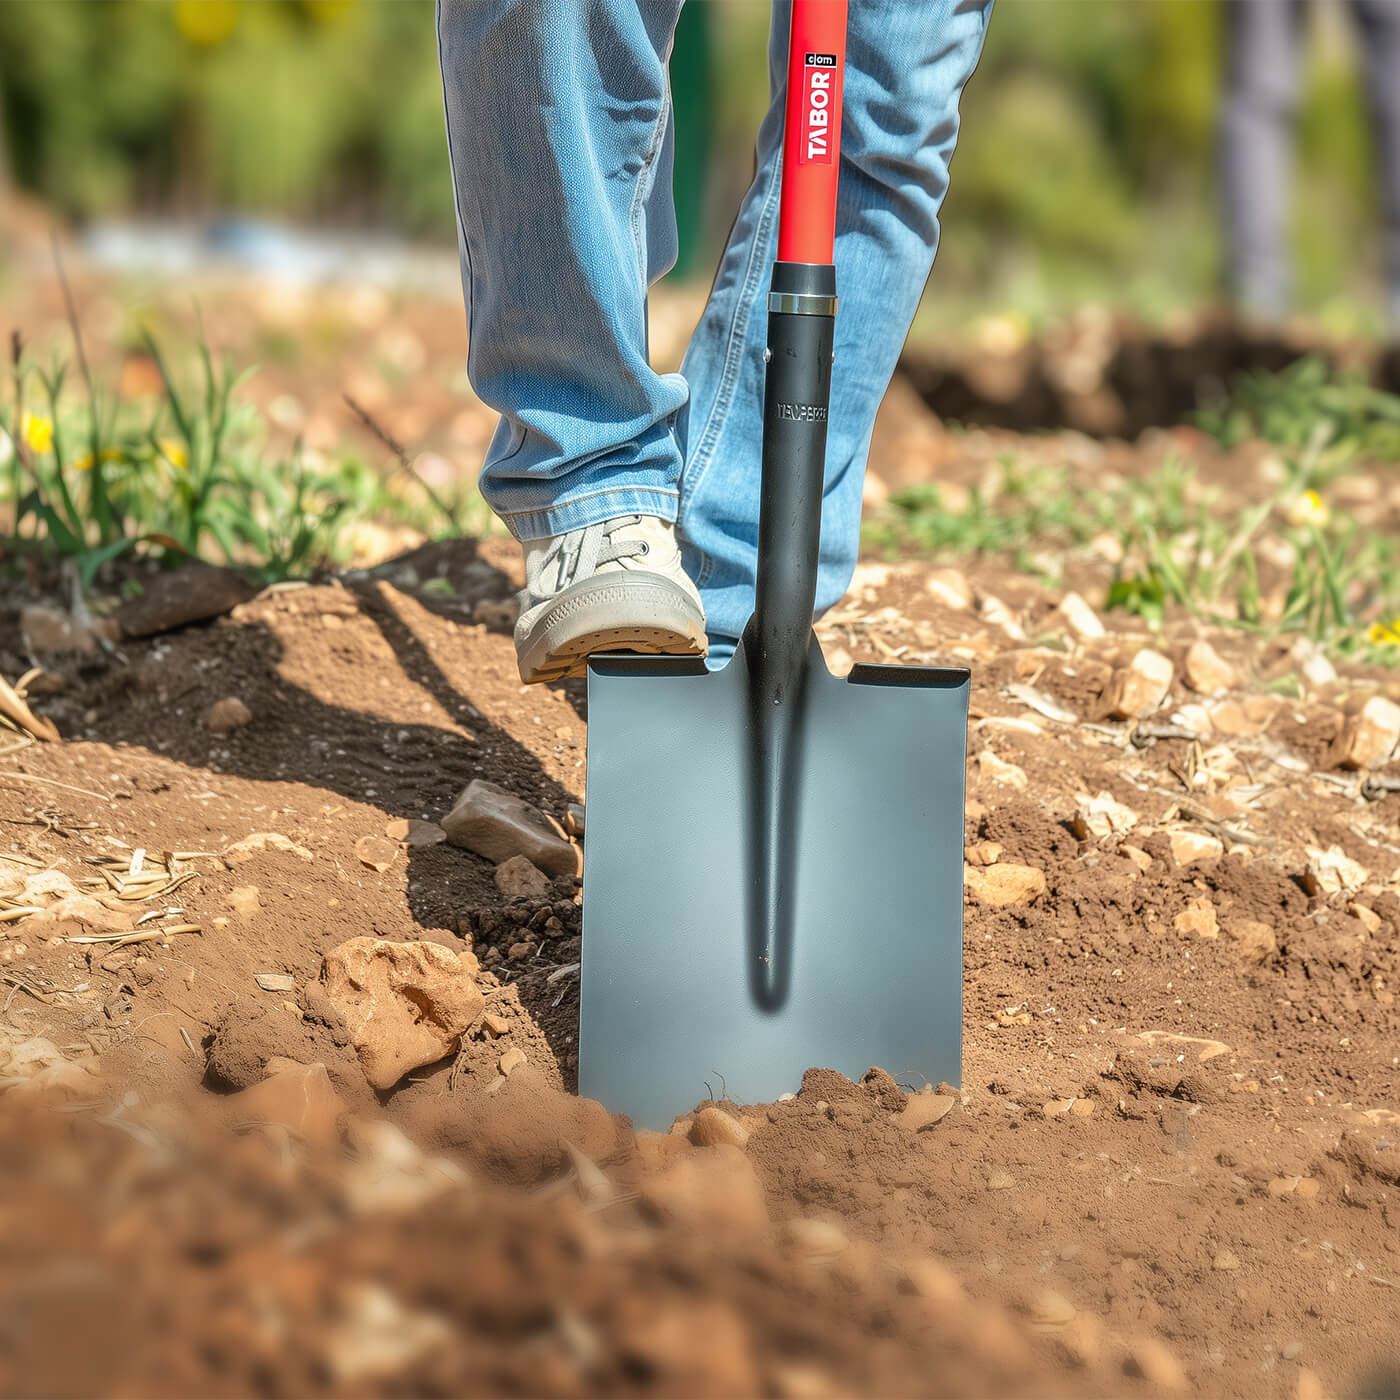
(669, 1010)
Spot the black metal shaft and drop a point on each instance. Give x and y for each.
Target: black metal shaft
(778, 641)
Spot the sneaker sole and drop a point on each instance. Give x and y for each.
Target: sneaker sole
(647, 614)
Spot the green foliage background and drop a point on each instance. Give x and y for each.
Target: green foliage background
(1086, 167)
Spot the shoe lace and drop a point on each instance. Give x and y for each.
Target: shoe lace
(581, 552)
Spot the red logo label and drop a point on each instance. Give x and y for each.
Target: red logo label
(818, 99)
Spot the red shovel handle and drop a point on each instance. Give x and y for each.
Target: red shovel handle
(812, 140)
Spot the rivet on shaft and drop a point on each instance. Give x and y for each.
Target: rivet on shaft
(767, 354)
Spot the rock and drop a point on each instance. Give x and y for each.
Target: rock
(1333, 872)
(376, 1338)
(497, 614)
(496, 824)
(275, 981)
(996, 612)
(815, 1239)
(1140, 687)
(523, 949)
(191, 593)
(511, 1061)
(377, 852)
(1202, 1048)
(1000, 1181)
(1369, 736)
(1197, 920)
(1368, 918)
(518, 878)
(983, 853)
(932, 1280)
(1138, 856)
(949, 587)
(1252, 940)
(1000, 771)
(1244, 718)
(1049, 1311)
(495, 1025)
(1100, 816)
(251, 846)
(1155, 1363)
(924, 1110)
(413, 833)
(245, 900)
(52, 629)
(1080, 618)
(1226, 1260)
(227, 714)
(390, 1174)
(1206, 671)
(1082, 1108)
(1194, 717)
(1191, 846)
(713, 1127)
(1004, 884)
(299, 1097)
(404, 1005)
(1057, 1108)
(714, 1188)
(35, 1067)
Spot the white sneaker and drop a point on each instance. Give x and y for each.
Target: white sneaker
(614, 586)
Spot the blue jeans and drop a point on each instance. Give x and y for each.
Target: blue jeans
(558, 125)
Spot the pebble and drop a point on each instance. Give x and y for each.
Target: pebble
(1205, 1048)
(815, 1239)
(1000, 1181)
(1333, 872)
(414, 833)
(497, 824)
(511, 1060)
(520, 878)
(1138, 856)
(1100, 816)
(983, 853)
(1140, 687)
(1369, 737)
(495, 1025)
(1080, 618)
(52, 629)
(1198, 920)
(1252, 940)
(227, 714)
(1191, 846)
(1206, 671)
(275, 981)
(713, 1127)
(245, 900)
(1000, 771)
(523, 949)
(1237, 718)
(924, 1110)
(949, 587)
(1005, 884)
(377, 852)
(932, 1280)
(1368, 918)
(1049, 1311)
(996, 612)
(497, 615)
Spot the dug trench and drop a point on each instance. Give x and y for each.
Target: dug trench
(1171, 1167)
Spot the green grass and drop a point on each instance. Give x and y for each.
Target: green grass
(86, 477)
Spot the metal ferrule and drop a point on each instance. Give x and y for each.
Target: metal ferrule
(801, 304)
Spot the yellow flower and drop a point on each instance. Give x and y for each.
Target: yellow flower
(174, 453)
(206, 22)
(1384, 634)
(37, 433)
(109, 454)
(1308, 509)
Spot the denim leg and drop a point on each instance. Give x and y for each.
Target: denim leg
(557, 124)
(1379, 22)
(906, 64)
(1263, 39)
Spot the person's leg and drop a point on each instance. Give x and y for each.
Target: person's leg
(906, 64)
(1379, 21)
(1263, 39)
(558, 131)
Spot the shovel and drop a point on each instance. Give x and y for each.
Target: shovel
(773, 865)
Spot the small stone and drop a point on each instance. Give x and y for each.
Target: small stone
(815, 1239)
(1082, 1108)
(714, 1188)
(922, 1111)
(1138, 856)
(1226, 1261)
(1140, 687)
(1000, 1181)
(983, 853)
(297, 1096)
(1155, 1363)
(1243, 718)
(1050, 1311)
(519, 878)
(245, 900)
(1206, 671)
(376, 1339)
(949, 587)
(413, 833)
(1368, 918)
(523, 949)
(1000, 771)
(1056, 1107)
(275, 981)
(496, 824)
(404, 1005)
(511, 1060)
(932, 1280)
(191, 593)
(1191, 846)
(377, 852)
(1080, 618)
(713, 1126)
(497, 615)
(1197, 920)
(1194, 717)
(1098, 817)
(495, 1025)
(397, 829)
(1005, 884)
(1333, 872)
(53, 630)
(389, 1174)
(1307, 1188)
(252, 846)
(1253, 940)
(574, 818)
(226, 715)
(996, 612)
(1368, 737)
(1203, 1048)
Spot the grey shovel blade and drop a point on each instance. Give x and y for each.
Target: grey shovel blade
(673, 1006)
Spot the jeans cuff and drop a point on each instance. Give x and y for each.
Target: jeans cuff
(590, 509)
